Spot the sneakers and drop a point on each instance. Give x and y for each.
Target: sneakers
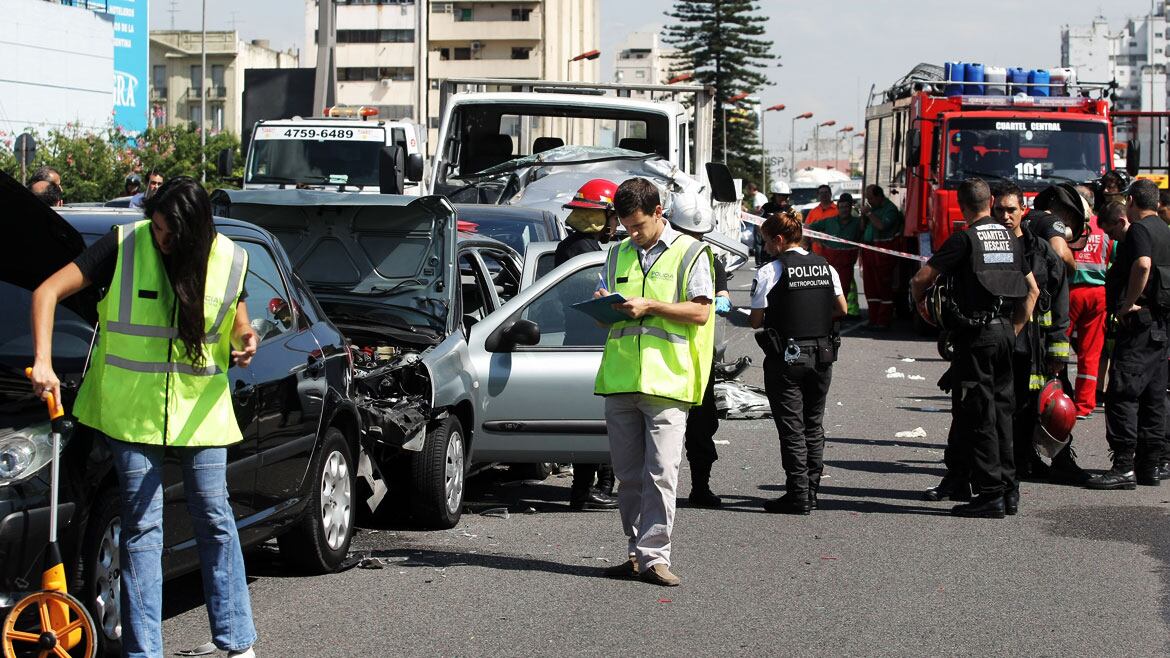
(246, 653)
(627, 569)
(1113, 479)
(659, 574)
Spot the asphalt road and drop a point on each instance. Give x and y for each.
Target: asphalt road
(877, 571)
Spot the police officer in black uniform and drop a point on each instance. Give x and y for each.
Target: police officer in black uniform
(796, 300)
(1137, 288)
(995, 294)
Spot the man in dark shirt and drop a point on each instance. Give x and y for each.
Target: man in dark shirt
(1135, 400)
(996, 294)
(592, 222)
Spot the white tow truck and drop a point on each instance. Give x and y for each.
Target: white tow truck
(345, 150)
(533, 143)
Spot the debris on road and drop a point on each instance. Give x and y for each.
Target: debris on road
(916, 433)
(721, 442)
(892, 373)
(735, 400)
(916, 378)
(665, 600)
(908, 360)
(497, 512)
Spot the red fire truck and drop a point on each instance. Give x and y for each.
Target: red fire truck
(921, 144)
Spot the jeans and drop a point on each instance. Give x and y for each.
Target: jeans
(229, 607)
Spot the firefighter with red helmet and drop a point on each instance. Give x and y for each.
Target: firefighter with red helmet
(1042, 349)
(592, 223)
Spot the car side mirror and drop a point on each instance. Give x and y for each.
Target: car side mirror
(224, 163)
(414, 167)
(1133, 158)
(508, 336)
(391, 170)
(722, 185)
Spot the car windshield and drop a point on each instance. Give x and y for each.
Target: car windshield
(569, 155)
(316, 155)
(1032, 153)
(517, 233)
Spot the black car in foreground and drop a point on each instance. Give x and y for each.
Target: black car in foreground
(293, 476)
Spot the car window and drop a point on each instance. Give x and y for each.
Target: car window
(72, 335)
(560, 324)
(269, 309)
(503, 272)
(546, 263)
(473, 297)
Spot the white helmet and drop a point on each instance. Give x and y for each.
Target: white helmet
(779, 187)
(690, 211)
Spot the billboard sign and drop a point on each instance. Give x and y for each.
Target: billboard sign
(131, 62)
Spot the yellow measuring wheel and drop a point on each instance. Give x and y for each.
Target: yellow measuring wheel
(40, 625)
(50, 622)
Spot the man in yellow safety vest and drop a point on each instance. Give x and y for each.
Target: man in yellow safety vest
(654, 369)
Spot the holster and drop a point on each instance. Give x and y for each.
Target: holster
(769, 342)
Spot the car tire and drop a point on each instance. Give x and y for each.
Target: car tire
(439, 474)
(100, 585)
(319, 541)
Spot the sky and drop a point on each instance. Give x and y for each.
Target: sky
(831, 51)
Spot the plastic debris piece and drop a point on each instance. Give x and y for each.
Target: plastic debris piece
(735, 400)
(498, 512)
(895, 375)
(665, 600)
(840, 405)
(916, 433)
(916, 378)
(373, 563)
(721, 442)
(891, 370)
(907, 360)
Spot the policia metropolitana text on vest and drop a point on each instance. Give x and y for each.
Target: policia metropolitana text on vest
(654, 369)
(994, 293)
(795, 302)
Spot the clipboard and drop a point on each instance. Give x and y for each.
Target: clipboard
(601, 309)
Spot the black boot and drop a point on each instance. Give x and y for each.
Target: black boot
(951, 487)
(591, 499)
(1011, 502)
(1065, 469)
(1164, 470)
(701, 494)
(605, 479)
(812, 494)
(789, 503)
(1114, 478)
(984, 506)
(1147, 475)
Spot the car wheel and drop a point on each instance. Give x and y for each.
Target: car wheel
(319, 541)
(101, 571)
(439, 474)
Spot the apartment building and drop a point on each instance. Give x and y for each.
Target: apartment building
(1136, 56)
(178, 82)
(643, 60)
(392, 53)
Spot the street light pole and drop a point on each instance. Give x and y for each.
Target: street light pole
(817, 139)
(763, 149)
(837, 144)
(792, 143)
(734, 99)
(203, 100)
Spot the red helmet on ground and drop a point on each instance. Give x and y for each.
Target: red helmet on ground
(597, 194)
(1057, 416)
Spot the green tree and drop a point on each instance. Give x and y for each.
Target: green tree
(94, 166)
(720, 43)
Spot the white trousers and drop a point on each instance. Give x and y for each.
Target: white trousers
(646, 436)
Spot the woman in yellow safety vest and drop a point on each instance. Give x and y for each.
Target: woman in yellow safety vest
(171, 324)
